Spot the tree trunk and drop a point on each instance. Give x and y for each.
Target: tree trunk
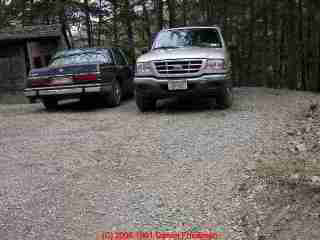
(318, 60)
(172, 13)
(115, 21)
(184, 11)
(292, 45)
(265, 47)
(99, 23)
(159, 9)
(239, 56)
(31, 17)
(283, 78)
(128, 21)
(275, 44)
(208, 8)
(301, 48)
(251, 42)
(147, 24)
(65, 26)
(309, 47)
(225, 20)
(88, 22)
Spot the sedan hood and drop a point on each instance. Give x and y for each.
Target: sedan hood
(178, 53)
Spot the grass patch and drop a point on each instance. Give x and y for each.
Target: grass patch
(289, 167)
(296, 153)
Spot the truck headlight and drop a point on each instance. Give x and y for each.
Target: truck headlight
(144, 68)
(215, 65)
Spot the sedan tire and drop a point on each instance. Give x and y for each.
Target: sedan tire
(50, 103)
(115, 96)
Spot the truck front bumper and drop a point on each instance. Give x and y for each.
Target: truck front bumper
(67, 91)
(205, 85)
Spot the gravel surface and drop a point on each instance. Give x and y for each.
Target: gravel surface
(71, 173)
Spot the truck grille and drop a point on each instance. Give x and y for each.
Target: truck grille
(173, 67)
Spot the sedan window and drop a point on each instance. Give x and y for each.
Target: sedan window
(80, 59)
(119, 57)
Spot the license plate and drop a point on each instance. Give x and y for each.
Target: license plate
(62, 80)
(177, 85)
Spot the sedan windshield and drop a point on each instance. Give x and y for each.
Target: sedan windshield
(187, 38)
(79, 59)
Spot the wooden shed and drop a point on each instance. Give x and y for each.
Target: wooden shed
(24, 48)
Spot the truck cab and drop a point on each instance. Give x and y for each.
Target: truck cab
(188, 61)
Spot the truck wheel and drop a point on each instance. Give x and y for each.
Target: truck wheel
(114, 97)
(225, 98)
(50, 103)
(145, 104)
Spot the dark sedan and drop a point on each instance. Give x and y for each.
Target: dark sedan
(79, 73)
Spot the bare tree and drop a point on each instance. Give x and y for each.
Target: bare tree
(128, 12)
(147, 24)
(172, 12)
(88, 22)
(115, 7)
(158, 4)
(292, 45)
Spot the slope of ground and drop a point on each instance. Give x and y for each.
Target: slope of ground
(73, 172)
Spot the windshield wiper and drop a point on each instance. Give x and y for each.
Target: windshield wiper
(209, 45)
(166, 47)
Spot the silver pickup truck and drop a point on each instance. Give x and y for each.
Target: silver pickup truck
(188, 61)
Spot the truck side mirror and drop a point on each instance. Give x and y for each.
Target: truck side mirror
(144, 50)
(232, 44)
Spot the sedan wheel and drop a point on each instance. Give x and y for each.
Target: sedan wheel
(114, 97)
(50, 103)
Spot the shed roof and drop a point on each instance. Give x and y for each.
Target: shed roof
(30, 32)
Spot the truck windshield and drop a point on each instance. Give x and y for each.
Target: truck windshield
(187, 38)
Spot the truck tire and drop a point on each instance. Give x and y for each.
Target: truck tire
(144, 103)
(50, 103)
(225, 98)
(114, 97)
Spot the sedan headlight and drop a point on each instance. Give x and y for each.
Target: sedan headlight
(215, 65)
(144, 68)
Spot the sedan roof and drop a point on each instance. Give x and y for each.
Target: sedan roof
(69, 52)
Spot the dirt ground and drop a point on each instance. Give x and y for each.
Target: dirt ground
(71, 173)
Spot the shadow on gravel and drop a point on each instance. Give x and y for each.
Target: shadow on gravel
(81, 106)
(170, 105)
(186, 105)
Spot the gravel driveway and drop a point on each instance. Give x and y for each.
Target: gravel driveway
(70, 173)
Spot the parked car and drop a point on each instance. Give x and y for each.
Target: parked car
(188, 61)
(79, 73)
